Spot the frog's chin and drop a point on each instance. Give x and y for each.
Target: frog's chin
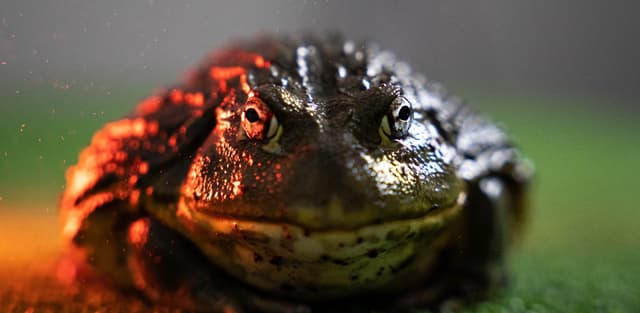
(320, 264)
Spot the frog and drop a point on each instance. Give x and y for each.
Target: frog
(299, 173)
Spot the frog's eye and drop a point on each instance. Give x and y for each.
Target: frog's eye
(395, 124)
(258, 122)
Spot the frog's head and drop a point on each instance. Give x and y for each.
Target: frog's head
(321, 138)
(316, 138)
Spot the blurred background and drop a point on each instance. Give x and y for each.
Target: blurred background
(562, 76)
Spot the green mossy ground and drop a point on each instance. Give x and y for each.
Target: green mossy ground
(581, 252)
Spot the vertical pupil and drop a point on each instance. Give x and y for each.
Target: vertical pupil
(251, 115)
(404, 113)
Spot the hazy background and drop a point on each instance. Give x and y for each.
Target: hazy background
(563, 77)
(583, 46)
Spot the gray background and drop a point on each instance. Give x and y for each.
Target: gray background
(572, 47)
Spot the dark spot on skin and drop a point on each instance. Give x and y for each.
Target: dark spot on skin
(257, 257)
(469, 156)
(395, 269)
(287, 245)
(373, 253)
(307, 233)
(324, 257)
(354, 277)
(254, 237)
(311, 288)
(359, 240)
(397, 234)
(373, 239)
(285, 233)
(380, 271)
(287, 287)
(276, 260)
(340, 262)
(431, 114)
(341, 244)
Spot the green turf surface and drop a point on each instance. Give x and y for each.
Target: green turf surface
(581, 252)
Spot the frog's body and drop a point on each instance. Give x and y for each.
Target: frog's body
(298, 173)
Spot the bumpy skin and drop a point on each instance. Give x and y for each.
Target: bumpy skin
(298, 174)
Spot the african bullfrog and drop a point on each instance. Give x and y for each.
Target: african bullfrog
(304, 174)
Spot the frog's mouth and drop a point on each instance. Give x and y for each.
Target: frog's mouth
(286, 229)
(271, 255)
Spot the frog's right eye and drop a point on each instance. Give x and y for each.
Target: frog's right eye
(395, 124)
(258, 122)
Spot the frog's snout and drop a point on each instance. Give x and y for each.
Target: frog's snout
(321, 179)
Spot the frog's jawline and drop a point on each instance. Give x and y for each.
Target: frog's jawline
(269, 255)
(220, 221)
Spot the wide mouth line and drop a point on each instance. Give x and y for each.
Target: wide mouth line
(292, 223)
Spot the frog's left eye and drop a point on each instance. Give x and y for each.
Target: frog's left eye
(258, 122)
(395, 124)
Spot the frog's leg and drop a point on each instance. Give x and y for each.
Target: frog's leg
(99, 241)
(472, 266)
(135, 253)
(169, 269)
(477, 260)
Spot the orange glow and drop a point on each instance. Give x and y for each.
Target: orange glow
(134, 197)
(260, 62)
(143, 168)
(133, 180)
(237, 189)
(80, 179)
(137, 127)
(66, 271)
(105, 156)
(139, 232)
(222, 74)
(243, 83)
(176, 96)
(71, 225)
(137, 271)
(74, 215)
(223, 116)
(149, 105)
(195, 99)
(173, 141)
(248, 159)
(248, 58)
(229, 309)
(183, 212)
(225, 73)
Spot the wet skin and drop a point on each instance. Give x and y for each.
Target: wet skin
(298, 174)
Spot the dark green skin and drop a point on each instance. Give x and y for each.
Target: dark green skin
(329, 96)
